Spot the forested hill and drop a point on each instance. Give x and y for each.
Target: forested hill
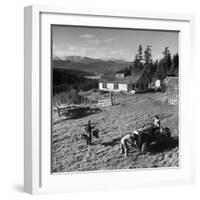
(65, 80)
(156, 69)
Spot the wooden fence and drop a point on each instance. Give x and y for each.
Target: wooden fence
(172, 94)
(105, 102)
(67, 110)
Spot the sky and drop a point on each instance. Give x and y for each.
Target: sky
(110, 43)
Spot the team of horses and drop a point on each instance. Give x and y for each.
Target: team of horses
(143, 138)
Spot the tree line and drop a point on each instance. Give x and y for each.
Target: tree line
(64, 81)
(158, 68)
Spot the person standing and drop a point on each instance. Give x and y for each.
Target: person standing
(88, 129)
(156, 122)
(157, 126)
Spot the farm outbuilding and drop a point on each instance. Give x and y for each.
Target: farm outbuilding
(156, 84)
(171, 89)
(136, 82)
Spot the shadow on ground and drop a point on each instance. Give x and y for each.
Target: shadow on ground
(112, 143)
(160, 146)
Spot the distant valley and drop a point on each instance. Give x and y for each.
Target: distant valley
(90, 65)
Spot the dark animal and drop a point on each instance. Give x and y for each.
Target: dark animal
(95, 133)
(87, 137)
(142, 139)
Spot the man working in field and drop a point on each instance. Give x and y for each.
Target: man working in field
(126, 141)
(156, 121)
(157, 126)
(88, 130)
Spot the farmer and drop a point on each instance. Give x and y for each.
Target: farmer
(157, 126)
(88, 130)
(112, 98)
(156, 122)
(126, 141)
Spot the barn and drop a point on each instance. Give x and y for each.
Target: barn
(156, 84)
(171, 89)
(135, 82)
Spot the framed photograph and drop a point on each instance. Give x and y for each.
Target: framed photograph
(107, 102)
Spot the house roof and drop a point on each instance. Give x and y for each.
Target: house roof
(172, 81)
(155, 79)
(133, 78)
(121, 71)
(169, 76)
(163, 76)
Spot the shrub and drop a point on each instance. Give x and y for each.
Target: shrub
(102, 92)
(87, 84)
(71, 97)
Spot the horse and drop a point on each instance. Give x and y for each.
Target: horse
(85, 136)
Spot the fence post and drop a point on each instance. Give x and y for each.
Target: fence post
(59, 113)
(111, 98)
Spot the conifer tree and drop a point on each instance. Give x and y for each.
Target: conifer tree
(139, 56)
(167, 60)
(148, 55)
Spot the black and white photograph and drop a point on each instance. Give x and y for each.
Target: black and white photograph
(115, 98)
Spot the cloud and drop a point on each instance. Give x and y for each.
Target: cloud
(93, 39)
(109, 40)
(71, 50)
(54, 47)
(88, 36)
(125, 54)
(102, 52)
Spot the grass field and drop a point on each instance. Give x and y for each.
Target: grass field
(129, 113)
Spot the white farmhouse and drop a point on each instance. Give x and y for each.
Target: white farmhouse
(136, 82)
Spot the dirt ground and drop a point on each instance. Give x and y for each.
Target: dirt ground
(70, 153)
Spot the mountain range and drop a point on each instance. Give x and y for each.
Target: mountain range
(91, 65)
